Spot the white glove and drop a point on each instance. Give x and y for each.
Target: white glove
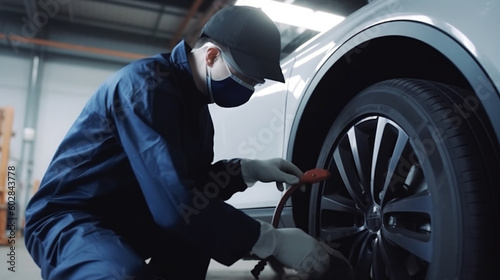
(271, 170)
(293, 248)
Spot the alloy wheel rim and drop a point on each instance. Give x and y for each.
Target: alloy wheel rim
(377, 207)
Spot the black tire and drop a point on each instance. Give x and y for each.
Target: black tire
(413, 184)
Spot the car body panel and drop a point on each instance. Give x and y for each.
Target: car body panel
(438, 27)
(457, 29)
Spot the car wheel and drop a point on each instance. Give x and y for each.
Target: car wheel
(413, 173)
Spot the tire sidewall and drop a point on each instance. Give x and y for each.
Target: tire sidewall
(437, 166)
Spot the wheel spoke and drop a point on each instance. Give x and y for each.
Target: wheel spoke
(348, 174)
(378, 268)
(393, 260)
(378, 152)
(418, 244)
(334, 233)
(339, 203)
(399, 147)
(360, 147)
(363, 258)
(420, 203)
(346, 210)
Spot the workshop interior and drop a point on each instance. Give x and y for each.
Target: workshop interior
(389, 107)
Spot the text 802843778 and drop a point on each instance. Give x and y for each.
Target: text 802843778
(11, 218)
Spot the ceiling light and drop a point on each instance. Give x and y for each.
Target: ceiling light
(294, 15)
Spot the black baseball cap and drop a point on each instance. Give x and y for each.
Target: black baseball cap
(252, 38)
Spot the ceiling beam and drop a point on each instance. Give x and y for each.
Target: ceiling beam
(71, 13)
(31, 8)
(192, 11)
(216, 5)
(158, 20)
(72, 47)
(145, 6)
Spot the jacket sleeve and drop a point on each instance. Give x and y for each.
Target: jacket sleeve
(223, 232)
(223, 179)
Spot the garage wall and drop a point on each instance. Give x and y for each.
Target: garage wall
(66, 83)
(14, 82)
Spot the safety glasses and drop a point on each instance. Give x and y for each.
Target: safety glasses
(244, 80)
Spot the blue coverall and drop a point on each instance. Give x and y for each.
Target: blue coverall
(134, 179)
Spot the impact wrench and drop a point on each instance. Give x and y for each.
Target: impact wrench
(309, 177)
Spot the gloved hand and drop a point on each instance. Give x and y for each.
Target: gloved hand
(271, 170)
(293, 248)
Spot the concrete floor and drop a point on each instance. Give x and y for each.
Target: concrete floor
(26, 269)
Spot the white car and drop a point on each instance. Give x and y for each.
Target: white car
(400, 102)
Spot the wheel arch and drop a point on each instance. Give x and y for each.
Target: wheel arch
(400, 49)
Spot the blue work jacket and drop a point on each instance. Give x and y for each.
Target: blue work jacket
(143, 145)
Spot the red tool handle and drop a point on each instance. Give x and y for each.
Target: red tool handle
(309, 177)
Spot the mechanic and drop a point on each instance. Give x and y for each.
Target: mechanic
(134, 177)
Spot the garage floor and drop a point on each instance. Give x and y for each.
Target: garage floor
(26, 269)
